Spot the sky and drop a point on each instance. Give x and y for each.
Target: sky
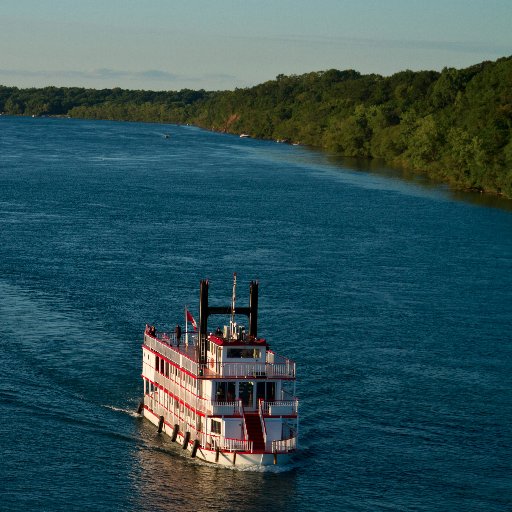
(228, 44)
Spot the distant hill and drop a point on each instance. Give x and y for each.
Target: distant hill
(454, 126)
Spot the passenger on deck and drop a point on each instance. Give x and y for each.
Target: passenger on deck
(218, 332)
(177, 333)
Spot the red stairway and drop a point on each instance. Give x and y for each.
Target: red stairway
(254, 431)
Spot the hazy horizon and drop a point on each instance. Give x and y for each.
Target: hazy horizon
(160, 45)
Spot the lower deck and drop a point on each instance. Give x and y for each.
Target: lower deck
(239, 453)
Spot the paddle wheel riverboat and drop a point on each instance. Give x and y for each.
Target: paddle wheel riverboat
(223, 395)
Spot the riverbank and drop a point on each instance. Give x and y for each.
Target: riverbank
(454, 126)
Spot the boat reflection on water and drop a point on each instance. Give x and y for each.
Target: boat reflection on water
(166, 478)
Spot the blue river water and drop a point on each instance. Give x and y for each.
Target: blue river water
(393, 297)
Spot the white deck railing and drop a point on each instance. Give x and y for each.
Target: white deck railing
(214, 408)
(242, 370)
(274, 367)
(279, 407)
(215, 440)
(224, 443)
(284, 445)
(208, 407)
(176, 354)
(236, 444)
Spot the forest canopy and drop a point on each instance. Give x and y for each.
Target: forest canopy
(453, 125)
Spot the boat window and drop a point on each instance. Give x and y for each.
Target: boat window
(246, 353)
(260, 391)
(231, 391)
(266, 391)
(220, 393)
(225, 391)
(271, 391)
(215, 427)
(245, 393)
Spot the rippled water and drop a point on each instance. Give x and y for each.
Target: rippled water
(394, 298)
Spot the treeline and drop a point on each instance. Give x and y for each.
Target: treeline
(454, 126)
(113, 104)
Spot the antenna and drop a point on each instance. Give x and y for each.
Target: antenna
(233, 301)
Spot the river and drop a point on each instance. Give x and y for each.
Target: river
(393, 296)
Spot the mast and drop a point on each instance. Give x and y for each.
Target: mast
(233, 301)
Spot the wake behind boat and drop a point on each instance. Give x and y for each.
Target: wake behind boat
(223, 395)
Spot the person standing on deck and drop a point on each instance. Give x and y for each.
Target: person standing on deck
(177, 333)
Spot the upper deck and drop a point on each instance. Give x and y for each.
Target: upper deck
(225, 360)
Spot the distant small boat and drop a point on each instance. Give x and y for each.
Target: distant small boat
(244, 136)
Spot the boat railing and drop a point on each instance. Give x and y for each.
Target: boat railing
(272, 357)
(216, 408)
(171, 418)
(209, 407)
(229, 444)
(171, 352)
(213, 440)
(279, 407)
(185, 425)
(241, 445)
(262, 421)
(272, 370)
(179, 391)
(284, 445)
(245, 433)
(275, 366)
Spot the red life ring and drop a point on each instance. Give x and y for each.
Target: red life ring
(211, 362)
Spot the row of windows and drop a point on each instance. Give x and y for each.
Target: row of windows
(249, 392)
(235, 353)
(170, 371)
(171, 403)
(246, 353)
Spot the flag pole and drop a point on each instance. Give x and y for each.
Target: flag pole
(186, 326)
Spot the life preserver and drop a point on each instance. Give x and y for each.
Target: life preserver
(212, 362)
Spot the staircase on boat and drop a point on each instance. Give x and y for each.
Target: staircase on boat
(254, 431)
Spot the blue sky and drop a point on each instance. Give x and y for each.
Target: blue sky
(224, 44)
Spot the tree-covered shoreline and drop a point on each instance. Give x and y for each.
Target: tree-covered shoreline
(454, 126)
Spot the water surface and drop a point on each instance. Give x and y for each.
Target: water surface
(392, 296)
